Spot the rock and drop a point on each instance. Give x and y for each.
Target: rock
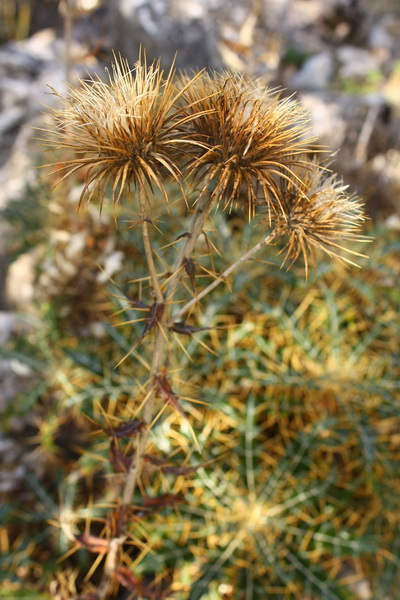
(14, 377)
(16, 62)
(27, 69)
(7, 326)
(163, 28)
(356, 63)
(20, 290)
(393, 222)
(315, 74)
(380, 37)
(12, 472)
(10, 119)
(327, 121)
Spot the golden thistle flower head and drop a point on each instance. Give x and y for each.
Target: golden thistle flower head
(316, 212)
(243, 137)
(122, 131)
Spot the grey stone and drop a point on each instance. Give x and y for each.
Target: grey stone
(11, 382)
(164, 28)
(384, 35)
(7, 326)
(327, 121)
(10, 119)
(356, 63)
(15, 61)
(315, 74)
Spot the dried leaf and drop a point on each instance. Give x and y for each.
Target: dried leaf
(154, 460)
(175, 470)
(186, 234)
(155, 314)
(185, 329)
(162, 501)
(93, 543)
(190, 269)
(153, 504)
(138, 303)
(163, 386)
(168, 468)
(118, 459)
(126, 578)
(128, 429)
(119, 518)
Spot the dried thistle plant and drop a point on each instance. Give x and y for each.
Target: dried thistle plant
(122, 132)
(241, 146)
(243, 137)
(316, 213)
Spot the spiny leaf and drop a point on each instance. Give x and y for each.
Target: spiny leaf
(186, 234)
(127, 429)
(162, 385)
(118, 459)
(138, 303)
(171, 469)
(153, 504)
(162, 501)
(119, 518)
(190, 269)
(185, 329)
(155, 314)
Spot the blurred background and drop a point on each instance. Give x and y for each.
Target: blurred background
(341, 59)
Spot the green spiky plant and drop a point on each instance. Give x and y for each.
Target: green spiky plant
(285, 360)
(241, 148)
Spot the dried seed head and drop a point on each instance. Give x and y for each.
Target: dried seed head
(122, 131)
(316, 212)
(242, 136)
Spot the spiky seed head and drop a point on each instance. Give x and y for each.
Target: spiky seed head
(121, 131)
(243, 136)
(316, 212)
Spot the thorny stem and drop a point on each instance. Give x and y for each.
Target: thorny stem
(147, 246)
(223, 276)
(134, 471)
(195, 229)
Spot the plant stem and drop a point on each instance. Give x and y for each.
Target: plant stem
(195, 229)
(222, 277)
(147, 246)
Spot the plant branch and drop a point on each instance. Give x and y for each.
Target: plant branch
(195, 229)
(222, 277)
(147, 246)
